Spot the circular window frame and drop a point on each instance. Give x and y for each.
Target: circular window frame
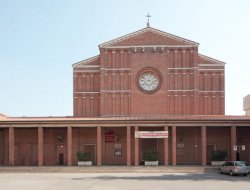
(150, 70)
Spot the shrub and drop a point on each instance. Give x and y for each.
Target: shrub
(83, 156)
(151, 155)
(218, 155)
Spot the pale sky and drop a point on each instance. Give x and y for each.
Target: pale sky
(40, 40)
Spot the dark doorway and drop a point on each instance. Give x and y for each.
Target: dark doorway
(61, 159)
(238, 156)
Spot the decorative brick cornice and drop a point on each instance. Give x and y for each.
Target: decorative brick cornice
(149, 29)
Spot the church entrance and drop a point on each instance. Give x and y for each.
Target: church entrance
(151, 145)
(147, 147)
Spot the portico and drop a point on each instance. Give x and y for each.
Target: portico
(114, 143)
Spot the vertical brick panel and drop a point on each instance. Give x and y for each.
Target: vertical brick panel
(113, 104)
(176, 80)
(125, 59)
(187, 57)
(122, 58)
(99, 145)
(91, 106)
(173, 145)
(175, 58)
(203, 145)
(40, 146)
(79, 106)
(11, 146)
(166, 162)
(136, 149)
(84, 83)
(75, 106)
(74, 82)
(171, 59)
(233, 143)
(122, 104)
(128, 146)
(83, 106)
(184, 58)
(168, 104)
(79, 83)
(69, 145)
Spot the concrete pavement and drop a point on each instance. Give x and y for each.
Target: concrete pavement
(122, 181)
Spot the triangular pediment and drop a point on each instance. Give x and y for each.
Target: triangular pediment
(149, 36)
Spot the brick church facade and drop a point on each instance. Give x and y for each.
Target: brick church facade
(190, 83)
(147, 82)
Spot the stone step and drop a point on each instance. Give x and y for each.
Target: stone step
(109, 169)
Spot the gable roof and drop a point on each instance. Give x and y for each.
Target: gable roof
(92, 61)
(205, 59)
(2, 116)
(124, 40)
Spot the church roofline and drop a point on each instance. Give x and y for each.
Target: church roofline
(188, 42)
(86, 61)
(211, 59)
(159, 118)
(3, 116)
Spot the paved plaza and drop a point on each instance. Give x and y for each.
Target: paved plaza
(121, 181)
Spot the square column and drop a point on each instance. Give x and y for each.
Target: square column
(174, 145)
(136, 148)
(99, 146)
(40, 146)
(166, 149)
(11, 147)
(128, 146)
(233, 143)
(204, 145)
(69, 145)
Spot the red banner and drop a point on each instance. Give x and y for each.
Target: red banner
(109, 136)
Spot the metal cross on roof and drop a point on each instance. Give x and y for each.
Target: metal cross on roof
(148, 15)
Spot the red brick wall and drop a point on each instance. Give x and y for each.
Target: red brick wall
(148, 104)
(220, 137)
(115, 82)
(188, 144)
(55, 143)
(26, 147)
(108, 149)
(2, 147)
(243, 134)
(86, 90)
(82, 137)
(191, 84)
(211, 96)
